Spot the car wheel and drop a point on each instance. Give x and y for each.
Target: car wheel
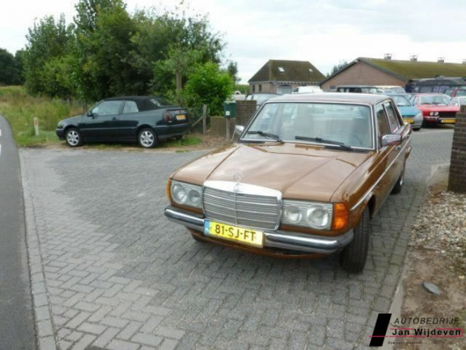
(73, 137)
(417, 129)
(399, 184)
(147, 138)
(179, 137)
(354, 255)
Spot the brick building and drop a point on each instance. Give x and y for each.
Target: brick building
(374, 71)
(282, 76)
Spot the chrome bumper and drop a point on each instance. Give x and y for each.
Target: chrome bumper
(292, 241)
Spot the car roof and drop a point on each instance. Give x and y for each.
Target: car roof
(129, 98)
(349, 98)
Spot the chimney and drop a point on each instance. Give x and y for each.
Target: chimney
(413, 58)
(441, 60)
(387, 56)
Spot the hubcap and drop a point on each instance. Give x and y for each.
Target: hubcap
(72, 137)
(147, 138)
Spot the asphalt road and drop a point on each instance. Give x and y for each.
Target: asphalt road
(16, 317)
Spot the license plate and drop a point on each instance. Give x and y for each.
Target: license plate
(448, 121)
(233, 233)
(181, 117)
(409, 120)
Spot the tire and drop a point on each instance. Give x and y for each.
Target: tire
(417, 129)
(73, 137)
(354, 255)
(147, 138)
(399, 183)
(179, 137)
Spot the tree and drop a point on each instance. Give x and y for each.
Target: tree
(338, 67)
(207, 84)
(48, 40)
(232, 69)
(9, 69)
(104, 30)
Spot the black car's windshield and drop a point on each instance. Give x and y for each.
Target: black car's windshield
(340, 124)
(401, 101)
(441, 100)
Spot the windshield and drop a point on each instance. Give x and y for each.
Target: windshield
(434, 100)
(401, 101)
(313, 123)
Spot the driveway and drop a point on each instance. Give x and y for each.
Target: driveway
(109, 270)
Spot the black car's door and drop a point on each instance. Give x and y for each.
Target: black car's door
(101, 122)
(128, 120)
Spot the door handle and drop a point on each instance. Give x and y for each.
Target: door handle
(114, 118)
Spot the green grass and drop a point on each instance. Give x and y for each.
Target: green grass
(188, 140)
(20, 108)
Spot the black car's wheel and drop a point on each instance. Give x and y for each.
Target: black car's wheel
(73, 137)
(353, 257)
(147, 138)
(399, 184)
(179, 137)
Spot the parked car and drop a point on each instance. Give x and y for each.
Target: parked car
(260, 98)
(391, 89)
(436, 108)
(458, 101)
(306, 177)
(409, 112)
(143, 119)
(364, 89)
(310, 89)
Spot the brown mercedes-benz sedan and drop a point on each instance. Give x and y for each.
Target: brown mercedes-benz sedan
(304, 179)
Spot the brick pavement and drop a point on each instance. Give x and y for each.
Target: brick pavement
(108, 271)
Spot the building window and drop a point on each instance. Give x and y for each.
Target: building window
(281, 69)
(260, 87)
(253, 88)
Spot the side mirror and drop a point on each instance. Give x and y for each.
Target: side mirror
(391, 139)
(90, 114)
(239, 130)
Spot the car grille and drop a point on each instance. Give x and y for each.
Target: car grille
(242, 209)
(447, 114)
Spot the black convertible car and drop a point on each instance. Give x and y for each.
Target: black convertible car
(145, 119)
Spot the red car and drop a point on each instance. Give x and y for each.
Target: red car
(436, 108)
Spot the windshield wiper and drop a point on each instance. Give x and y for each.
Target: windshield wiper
(321, 140)
(265, 134)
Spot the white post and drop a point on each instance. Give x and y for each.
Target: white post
(36, 126)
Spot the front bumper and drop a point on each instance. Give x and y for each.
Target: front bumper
(60, 133)
(283, 240)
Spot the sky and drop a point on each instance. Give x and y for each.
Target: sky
(324, 32)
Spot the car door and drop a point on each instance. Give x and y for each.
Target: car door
(386, 156)
(101, 121)
(128, 120)
(397, 127)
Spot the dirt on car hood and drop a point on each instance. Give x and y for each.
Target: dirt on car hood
(299, 171)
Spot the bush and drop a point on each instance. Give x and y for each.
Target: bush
(209, 85)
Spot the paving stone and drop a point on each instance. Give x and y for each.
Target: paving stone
(119, 275)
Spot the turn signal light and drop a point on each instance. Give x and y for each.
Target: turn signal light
(169, 189)
(341, 216)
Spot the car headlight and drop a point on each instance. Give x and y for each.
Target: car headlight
(186, 194)
(308, 214)
(61, 125)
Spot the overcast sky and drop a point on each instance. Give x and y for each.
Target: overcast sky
(325, 32)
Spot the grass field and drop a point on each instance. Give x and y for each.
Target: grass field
(20, 108)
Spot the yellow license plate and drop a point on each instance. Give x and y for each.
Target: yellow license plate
(409, 120)
(181, 117)
(448, 121)
(233, 233)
